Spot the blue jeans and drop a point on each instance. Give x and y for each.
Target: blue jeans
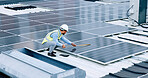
(51, 45)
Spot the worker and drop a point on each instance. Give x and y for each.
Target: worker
(51, 40)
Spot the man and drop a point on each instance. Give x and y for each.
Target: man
(52, 39)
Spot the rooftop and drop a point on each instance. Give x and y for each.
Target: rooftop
(103, 24)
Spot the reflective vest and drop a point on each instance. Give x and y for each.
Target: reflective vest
(48, 36)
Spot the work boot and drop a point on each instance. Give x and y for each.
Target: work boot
(52, 54)
(47, 49)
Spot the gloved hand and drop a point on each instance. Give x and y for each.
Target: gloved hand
(63, 46)
(73, 44)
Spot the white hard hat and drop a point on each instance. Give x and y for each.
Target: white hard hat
(64, 27)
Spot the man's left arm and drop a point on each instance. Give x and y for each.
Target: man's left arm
(67, 41)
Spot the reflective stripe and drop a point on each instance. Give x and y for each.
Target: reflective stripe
(49, 38)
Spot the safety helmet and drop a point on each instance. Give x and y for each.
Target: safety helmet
(64, 27)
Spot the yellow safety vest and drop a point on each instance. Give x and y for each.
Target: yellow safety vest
(48, 36)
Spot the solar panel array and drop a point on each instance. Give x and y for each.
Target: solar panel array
(86, 24)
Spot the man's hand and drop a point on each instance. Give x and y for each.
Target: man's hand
(73, 44)
(63, 46)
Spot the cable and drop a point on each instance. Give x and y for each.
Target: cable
(128, 15)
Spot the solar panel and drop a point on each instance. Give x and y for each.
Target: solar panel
(118, 0)
(97, 42)
(4, 34)
(13, 1)
(101, 10)
(4, 17)
(57, 19)
(4, 48)
(109, 30)
(32, 29)
(79, 36)
(45, 16)
(31, 44)
(89, 26)
(125, 73)
(143, 64)
(32, 14)
(138, 69)
(70, 23)
(71, 10)
(89, 13)
(109, 76)
(1, 45)
(133, 71)
(11, 21)
(12, 40)
(36, 35)
(19, 25)
(53, 4)
(114, 53)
